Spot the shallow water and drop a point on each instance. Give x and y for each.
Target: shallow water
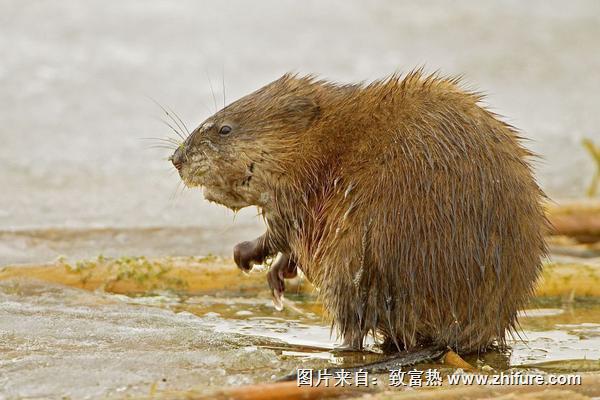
(58, 341)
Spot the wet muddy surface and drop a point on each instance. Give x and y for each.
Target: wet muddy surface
(115, 345)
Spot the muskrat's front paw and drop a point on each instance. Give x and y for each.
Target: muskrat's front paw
(283, 268)
(246, 254)
(277, 285)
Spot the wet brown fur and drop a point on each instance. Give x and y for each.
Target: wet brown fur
(409, 206)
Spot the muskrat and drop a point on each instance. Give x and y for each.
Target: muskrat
(409, 206)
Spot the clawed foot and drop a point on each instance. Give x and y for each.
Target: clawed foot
(283, 268)
(247, 254)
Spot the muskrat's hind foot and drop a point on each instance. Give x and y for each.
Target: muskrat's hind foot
(246, 254)
(283, 268)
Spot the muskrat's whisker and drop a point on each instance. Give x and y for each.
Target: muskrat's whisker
(162, 141)
(172, 128)
(166, 140)
(174, 193)
(223, 84)
(181, 189)
(212, 91)
(174, 144)
(163, 145)
(158, 146)
(171, 117)
(177, 129)
(181, 121)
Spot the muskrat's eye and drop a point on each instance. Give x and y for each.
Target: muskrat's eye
(225, 130)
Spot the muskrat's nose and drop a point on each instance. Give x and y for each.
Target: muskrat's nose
(177, 158)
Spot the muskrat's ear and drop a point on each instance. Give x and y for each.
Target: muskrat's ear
(301, 111)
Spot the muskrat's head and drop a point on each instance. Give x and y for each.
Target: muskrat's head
(234, 154)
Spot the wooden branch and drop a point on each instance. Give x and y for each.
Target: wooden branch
(577, 219)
